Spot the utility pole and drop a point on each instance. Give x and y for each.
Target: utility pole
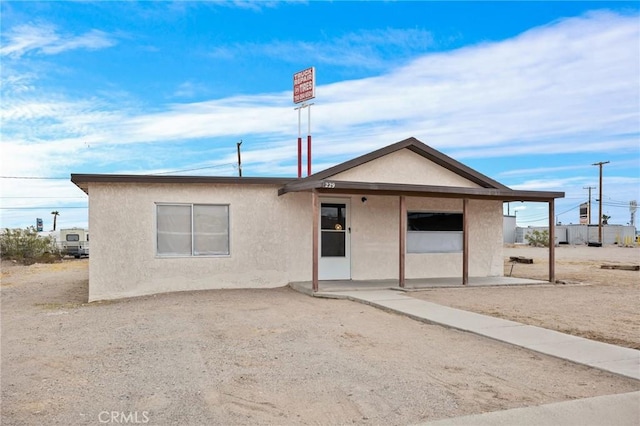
(239, 160)
(600, 164)
(589, 203)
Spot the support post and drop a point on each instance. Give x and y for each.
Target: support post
(465, 241)
(552, 242)
(299, 144)
(309, 142)
(314, 232)
(299, 157)
(402, 241)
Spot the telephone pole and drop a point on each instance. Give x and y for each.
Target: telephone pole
(600, 164)
(589, 203)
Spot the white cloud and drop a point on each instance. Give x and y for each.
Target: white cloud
(574, 89)
(46, 39)
(367, 49)
(568, 87)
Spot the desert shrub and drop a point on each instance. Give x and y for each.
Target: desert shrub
(538, 238)
(27, 246)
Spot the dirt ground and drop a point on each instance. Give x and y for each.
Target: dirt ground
(599, 304)
(254, 357)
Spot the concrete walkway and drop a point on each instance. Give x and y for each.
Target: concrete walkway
(603, 356)
(619, 410)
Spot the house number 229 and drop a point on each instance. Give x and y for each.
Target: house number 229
(329, 185)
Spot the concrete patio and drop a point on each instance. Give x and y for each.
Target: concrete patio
(328, 288)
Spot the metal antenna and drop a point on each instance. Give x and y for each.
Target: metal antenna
(239, 159)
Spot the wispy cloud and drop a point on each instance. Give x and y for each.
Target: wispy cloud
(587, 166)
(575, 89)
(48, 40)
(364, 49)
(190, 89)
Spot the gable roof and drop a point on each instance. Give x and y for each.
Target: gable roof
(421, 149)
(489, 189)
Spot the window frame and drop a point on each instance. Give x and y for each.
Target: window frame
(192, 233)
(413, 245)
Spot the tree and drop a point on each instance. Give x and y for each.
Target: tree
(55, 216)
(605, 219)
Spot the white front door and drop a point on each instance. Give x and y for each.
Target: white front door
(335, 248)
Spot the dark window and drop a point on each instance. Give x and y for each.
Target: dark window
(430, 232)
(333, 244)
(333, 216)
(73, 237)
(424, 221)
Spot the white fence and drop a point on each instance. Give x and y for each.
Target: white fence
(583, 234)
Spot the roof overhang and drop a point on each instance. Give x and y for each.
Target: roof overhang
(82, 181)
(327, 186)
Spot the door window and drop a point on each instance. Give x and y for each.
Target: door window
(333, 225)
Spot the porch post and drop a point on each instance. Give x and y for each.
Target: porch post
(465, 241)
(552, 242)
(314, 239)
(402, 237)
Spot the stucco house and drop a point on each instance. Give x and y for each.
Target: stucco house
(404, 211)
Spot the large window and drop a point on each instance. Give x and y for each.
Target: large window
(434, 232)
(192, 230)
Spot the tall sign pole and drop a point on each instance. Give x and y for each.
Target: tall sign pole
(299, 144)
(304, 89)
(600, 164)
(309, 141)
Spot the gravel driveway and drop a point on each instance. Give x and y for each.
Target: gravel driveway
(251, 357)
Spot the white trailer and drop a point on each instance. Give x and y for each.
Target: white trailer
(75, 242)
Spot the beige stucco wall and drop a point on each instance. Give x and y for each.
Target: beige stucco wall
(270, 235)
(404, 166)
(375, 239)
(269, 239)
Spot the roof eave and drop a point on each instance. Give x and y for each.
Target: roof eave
(82, 181)
(376, 188)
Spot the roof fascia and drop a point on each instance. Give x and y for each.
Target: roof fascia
(346, 187)
(83, 180)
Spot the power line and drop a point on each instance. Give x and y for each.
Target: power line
(31, 198)
(547, 216)
(44, 207)
(33, 177)
(159, 173)
(199, 168)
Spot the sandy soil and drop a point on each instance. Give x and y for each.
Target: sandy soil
(252, 357)
(599, 304)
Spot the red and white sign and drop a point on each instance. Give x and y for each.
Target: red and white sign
(304, 85)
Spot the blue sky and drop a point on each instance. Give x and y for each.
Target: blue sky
(530, 94)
